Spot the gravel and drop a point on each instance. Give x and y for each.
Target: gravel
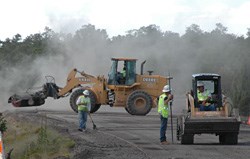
(89, 144)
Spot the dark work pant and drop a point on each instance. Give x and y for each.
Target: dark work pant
(207, 108)
(164, 124)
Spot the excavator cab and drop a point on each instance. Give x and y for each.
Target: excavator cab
(122, 72)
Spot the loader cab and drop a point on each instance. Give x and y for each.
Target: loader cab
(212, 83)
(117, 77)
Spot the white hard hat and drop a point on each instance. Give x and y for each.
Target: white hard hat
(199, 84)
(86, 92)
(166, 88)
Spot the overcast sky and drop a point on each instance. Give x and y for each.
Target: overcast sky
(118, 16)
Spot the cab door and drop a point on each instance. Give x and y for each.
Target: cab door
(112, 75)
(130, 72)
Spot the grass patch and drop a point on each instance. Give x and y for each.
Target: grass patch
(34, 141)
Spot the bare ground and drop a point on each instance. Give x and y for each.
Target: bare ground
(121, 136)
(89, 144)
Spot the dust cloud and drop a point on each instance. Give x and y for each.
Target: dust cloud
(90, 50)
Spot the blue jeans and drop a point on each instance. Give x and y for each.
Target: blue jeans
(164, 124)
(211, 107)
(82, 115)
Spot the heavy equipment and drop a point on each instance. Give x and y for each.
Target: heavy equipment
(135, 92)
(223, 122)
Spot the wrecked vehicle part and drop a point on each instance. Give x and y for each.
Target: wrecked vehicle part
(37, 98)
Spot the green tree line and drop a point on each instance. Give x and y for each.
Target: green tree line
(196, 51)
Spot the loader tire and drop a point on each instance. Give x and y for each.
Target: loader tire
(187, 139)
(95, 108)
(222, 138)
(139, 103)
(74, 96)
(127, 110)
(228, 138)
(179, 129)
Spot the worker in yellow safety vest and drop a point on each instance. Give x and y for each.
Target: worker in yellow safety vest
(121, 76)
(123, 72)
(204, 97)
(84, 106)
(163, 110)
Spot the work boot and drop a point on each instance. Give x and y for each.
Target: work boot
(164, 143)
(80, 130)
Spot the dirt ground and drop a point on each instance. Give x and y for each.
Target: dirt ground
(89, 144)
(121, 136)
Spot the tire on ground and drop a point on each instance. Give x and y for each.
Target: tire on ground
(229, 138)
(74, 96)
(139, 103)
(187, 139)
(127, 110)
(179, 129)
(222, 138)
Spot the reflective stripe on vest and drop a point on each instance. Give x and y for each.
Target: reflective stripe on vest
(203, 96)
(162, 108)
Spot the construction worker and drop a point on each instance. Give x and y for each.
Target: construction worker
(163, 110)
(123, 72)
(204, 97)
(121, 76)
(84, 106)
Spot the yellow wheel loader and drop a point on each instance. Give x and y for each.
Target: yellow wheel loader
(135, 92)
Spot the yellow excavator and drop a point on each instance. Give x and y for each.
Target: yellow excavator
(135, 92)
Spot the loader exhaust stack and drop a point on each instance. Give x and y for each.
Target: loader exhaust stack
(142, 65)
